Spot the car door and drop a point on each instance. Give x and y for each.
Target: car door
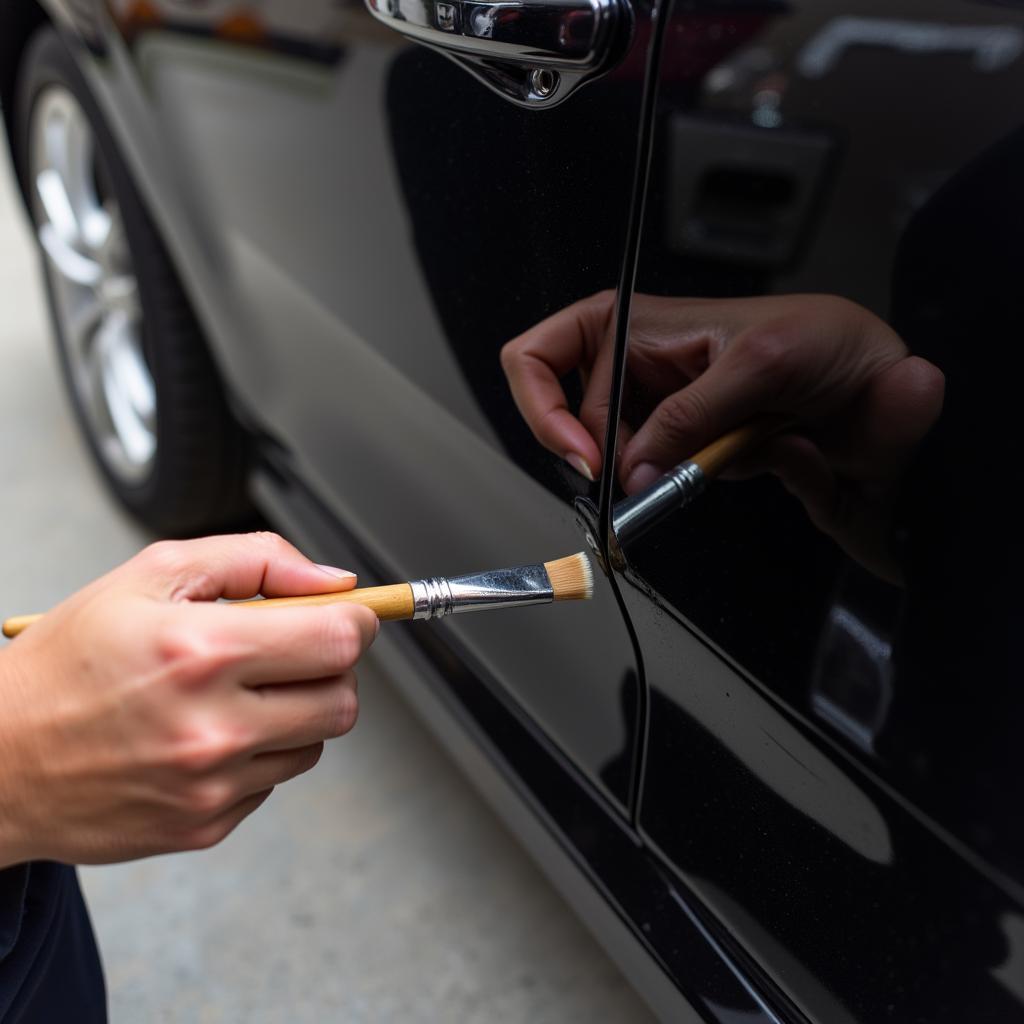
(364, 223)
(832, 760)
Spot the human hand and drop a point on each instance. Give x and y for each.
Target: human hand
(698, 367)
(140, 717)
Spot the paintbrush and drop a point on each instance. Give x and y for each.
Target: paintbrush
(564, 579)
(634, 516)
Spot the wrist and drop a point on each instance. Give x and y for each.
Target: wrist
(15, 847)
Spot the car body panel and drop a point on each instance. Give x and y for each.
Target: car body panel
(814, 768)
(650, 923)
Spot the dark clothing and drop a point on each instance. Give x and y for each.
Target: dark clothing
(49, 966)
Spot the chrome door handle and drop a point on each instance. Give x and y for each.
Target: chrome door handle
(533, 51)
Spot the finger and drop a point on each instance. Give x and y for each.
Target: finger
(265, 771)
(211, 832)
(239, 565)
(255, 646)
(745, 380)
(535, 361)
(287, 717)
(672, 341)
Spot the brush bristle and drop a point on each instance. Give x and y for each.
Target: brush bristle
(572, 578)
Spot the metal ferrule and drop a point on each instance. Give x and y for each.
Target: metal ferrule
(502, 588)
(633, 516)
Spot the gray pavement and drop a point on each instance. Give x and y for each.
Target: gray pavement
(376, 888)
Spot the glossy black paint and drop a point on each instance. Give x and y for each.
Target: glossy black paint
(832, 762)
(707, 973)
(362, 225)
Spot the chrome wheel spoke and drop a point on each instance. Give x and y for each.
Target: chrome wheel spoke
(128, 389)
(54, 197)
(134, 378)
(72, 265)
(87, 372)
(69, 151)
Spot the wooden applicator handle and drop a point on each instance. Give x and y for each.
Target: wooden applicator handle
(16, 623)
(390, 603)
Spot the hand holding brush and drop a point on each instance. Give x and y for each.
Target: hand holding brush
(564, 579)
(716, 377)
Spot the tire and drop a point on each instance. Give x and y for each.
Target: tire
(144, 387)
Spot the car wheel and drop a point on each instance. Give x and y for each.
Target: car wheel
(144, 387)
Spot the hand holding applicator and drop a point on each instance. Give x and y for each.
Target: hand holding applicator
(635, 515)
(564, 579)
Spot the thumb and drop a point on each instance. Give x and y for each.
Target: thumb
(236, 566)
(740, 383)
(680, 425)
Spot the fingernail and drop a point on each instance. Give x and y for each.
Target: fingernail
(642, 476)
(376, 629)
(338, 574)
(580, 464)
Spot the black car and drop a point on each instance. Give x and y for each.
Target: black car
(775, 763)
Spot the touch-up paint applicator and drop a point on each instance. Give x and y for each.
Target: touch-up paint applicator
(564, 579)
(634, 516)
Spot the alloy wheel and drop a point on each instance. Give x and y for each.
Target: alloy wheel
(93, 285)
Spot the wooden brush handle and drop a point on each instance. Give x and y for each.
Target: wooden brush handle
(716, 456)
(16, 623)
(390, 603)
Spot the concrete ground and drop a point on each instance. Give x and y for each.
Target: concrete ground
(377, 888)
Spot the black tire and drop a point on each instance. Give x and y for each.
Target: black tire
(195, 479)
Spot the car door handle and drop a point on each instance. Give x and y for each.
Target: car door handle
(535, 52)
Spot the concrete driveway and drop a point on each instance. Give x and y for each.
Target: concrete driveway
(376, 888)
